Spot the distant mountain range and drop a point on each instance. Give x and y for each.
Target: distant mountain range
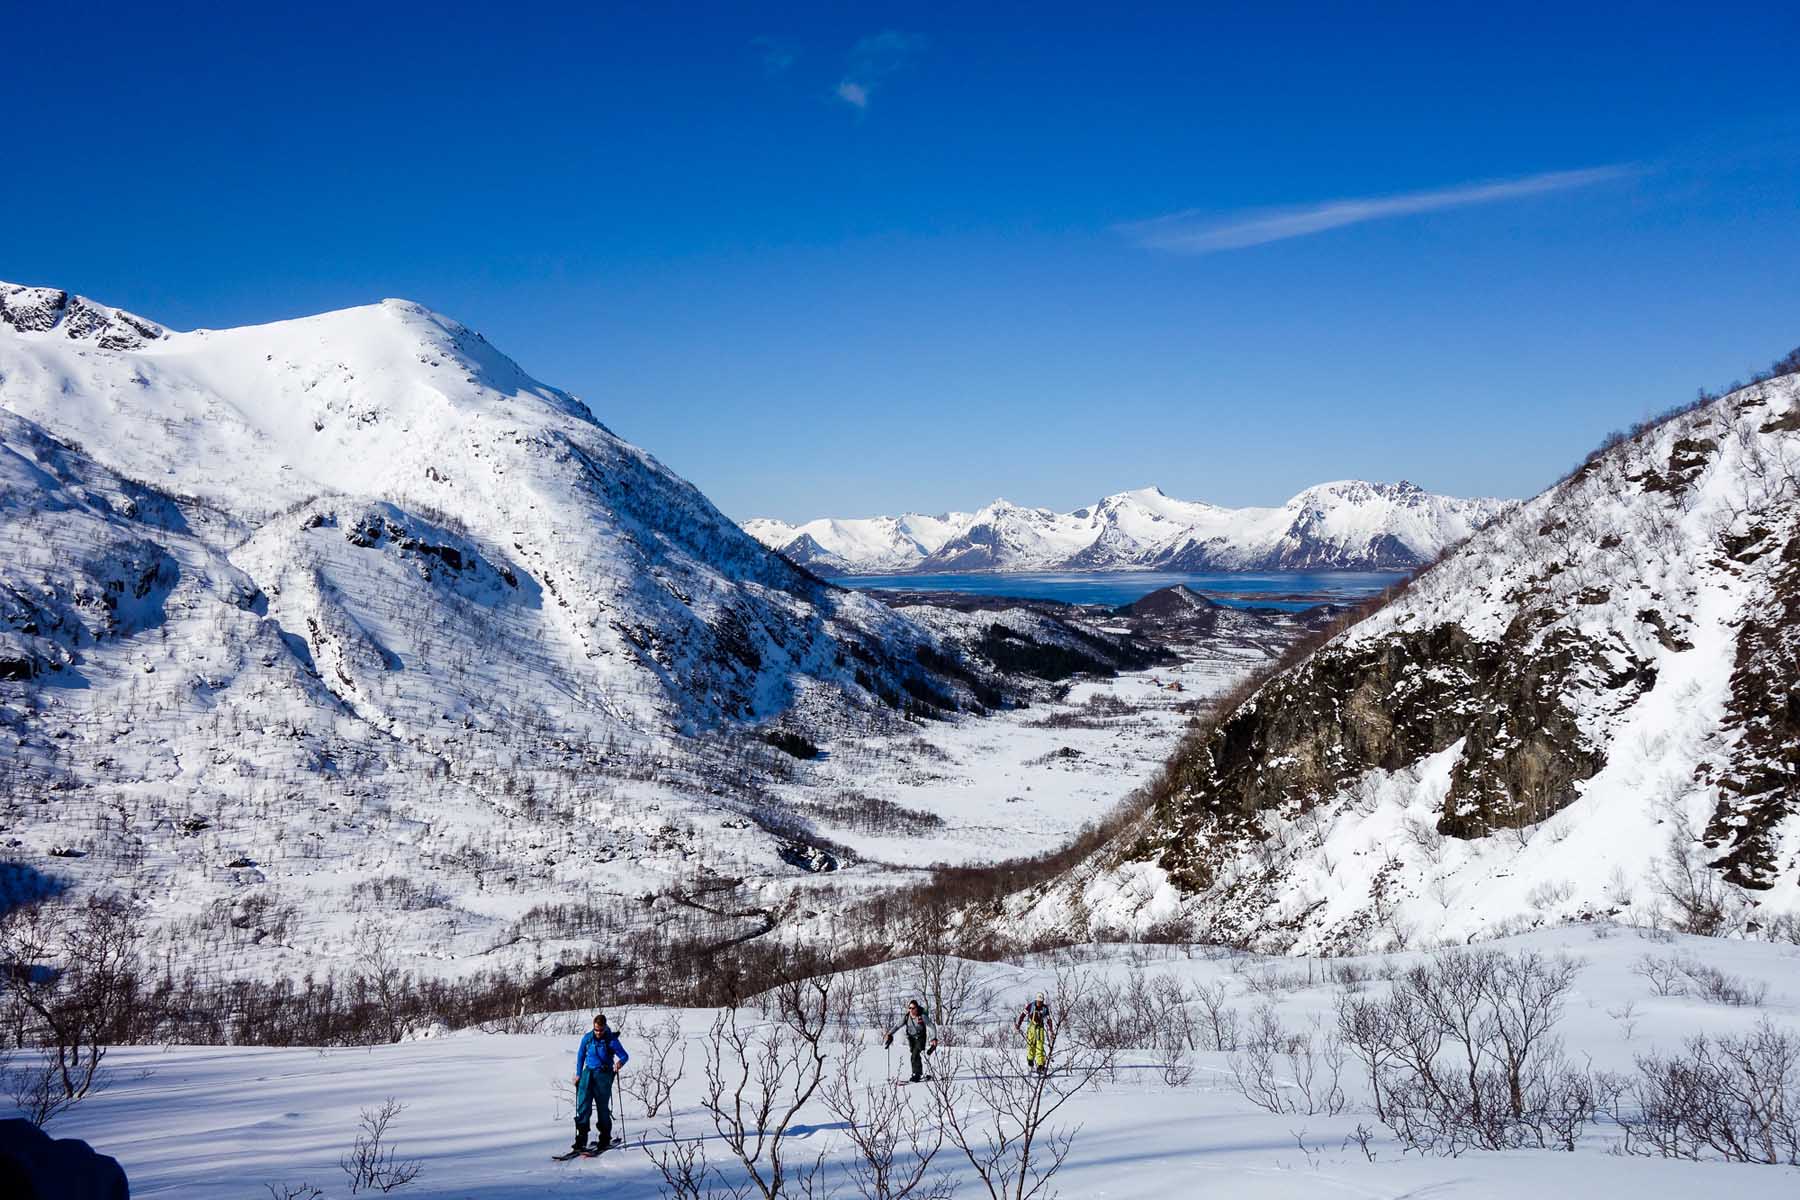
(1346, 525)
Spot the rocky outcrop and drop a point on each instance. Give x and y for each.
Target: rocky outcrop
(1761, 788)
(1383, 705)
(47, 310)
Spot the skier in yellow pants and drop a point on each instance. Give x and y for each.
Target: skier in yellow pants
(1039, 1033)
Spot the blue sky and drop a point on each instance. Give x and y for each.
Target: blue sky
(856, 259)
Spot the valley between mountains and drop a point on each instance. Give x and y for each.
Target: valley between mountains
(346, 623)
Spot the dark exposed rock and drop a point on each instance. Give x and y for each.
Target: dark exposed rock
(44, 310)
(1665, 635)
(1386, 704)
(1763, 789)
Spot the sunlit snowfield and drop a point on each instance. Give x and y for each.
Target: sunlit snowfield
(1021, 781)
(484, 1112)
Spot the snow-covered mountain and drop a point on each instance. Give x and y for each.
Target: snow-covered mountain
(867, 545)
(356, 590)
(401, 496)
(1345, 525)
(1589, 708)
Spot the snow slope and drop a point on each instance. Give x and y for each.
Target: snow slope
(405, 499)
(1348, 525)
(1590, 707)
(484, 1112)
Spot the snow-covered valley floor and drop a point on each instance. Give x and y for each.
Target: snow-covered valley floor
(485, 1111)
(1022, 781)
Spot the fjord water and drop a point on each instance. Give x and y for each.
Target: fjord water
(1289, 590)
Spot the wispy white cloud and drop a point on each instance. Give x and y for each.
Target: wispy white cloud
(872, 60)
(1197, 232)
(777, 53)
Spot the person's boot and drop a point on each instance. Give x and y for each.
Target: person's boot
(605, 1142)
(580, 1139)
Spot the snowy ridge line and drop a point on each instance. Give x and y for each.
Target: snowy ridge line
(1588, 709)
(1349, 525)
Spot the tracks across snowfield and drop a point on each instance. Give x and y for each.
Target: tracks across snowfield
(484, 1111)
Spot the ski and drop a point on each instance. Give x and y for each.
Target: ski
(591, 1152)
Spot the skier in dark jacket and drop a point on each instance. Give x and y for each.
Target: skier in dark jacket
(918, 1028)
(597, 1063)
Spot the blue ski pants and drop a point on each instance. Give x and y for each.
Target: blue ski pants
(594, 1090)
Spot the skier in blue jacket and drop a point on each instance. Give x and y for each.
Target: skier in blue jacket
(597, 1063)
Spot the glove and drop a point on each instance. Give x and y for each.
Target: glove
(933, 1044)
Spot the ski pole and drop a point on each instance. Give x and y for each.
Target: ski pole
(619, 1103)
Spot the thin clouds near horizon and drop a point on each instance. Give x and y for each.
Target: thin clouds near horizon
(871, 60)
(1197, 232)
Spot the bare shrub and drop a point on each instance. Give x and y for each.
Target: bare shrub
(759, 1077)
(1253, 1064)
(1372, 1031)
(71, 990)
(949, 986)
(862, 813)
(1782, 927)
(1700, 901)
(1147, 1012)
(1683, 975)
(1710, 983)
(1177, 1032)
(895, 1141)
(372, 1164)
(1004, 1121)
(1220, 1019)
(685, 1170)
(1662, 974)
(1462, 1053)
(293, 1191)
(1289, 1071)
(382, 978)
(1733, 1098)
(657, 1065)
(1272, 982)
